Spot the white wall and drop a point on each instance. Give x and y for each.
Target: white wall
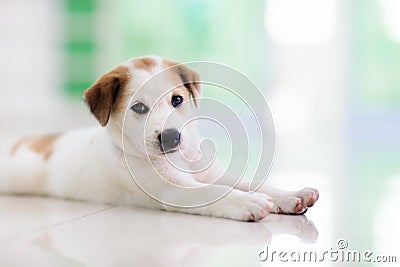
(30, 67)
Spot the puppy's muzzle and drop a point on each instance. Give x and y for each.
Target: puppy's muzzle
(169, 139)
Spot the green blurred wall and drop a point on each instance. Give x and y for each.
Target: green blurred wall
(100, 34)
(377, 58)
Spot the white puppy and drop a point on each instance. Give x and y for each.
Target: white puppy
(132, 159)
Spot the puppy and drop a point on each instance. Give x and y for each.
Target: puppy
(139, 155)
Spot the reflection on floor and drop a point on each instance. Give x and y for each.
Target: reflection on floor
(52, 232)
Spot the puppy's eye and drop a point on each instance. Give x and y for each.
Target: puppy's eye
(176, 101)
(139, 108)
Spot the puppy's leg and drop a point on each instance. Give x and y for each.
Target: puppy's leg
(237, 205)
(286, 202)
(291, 202)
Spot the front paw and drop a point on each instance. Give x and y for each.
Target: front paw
(251, 207)
(297, 202)
(309, 196)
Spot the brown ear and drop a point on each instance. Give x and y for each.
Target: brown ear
(191, 80)
(102, 96)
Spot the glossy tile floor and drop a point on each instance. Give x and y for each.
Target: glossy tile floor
(52, 232)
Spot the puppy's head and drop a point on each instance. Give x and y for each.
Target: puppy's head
(149, 100)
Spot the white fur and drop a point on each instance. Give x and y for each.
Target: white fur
(89, 164)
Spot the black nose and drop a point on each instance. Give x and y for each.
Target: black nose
(169, 139)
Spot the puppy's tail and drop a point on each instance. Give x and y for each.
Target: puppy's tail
(22, 173)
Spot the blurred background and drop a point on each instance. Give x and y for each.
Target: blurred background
(330, 70)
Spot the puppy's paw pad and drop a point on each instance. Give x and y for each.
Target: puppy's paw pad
(289, 205)
(255, 207)
(251, 217)
(309, 196)
(279, 210)
(297, 205)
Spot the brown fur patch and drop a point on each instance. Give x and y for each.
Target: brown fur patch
(144, 63)
(104, 96)
(43, 145)
(186, 76)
